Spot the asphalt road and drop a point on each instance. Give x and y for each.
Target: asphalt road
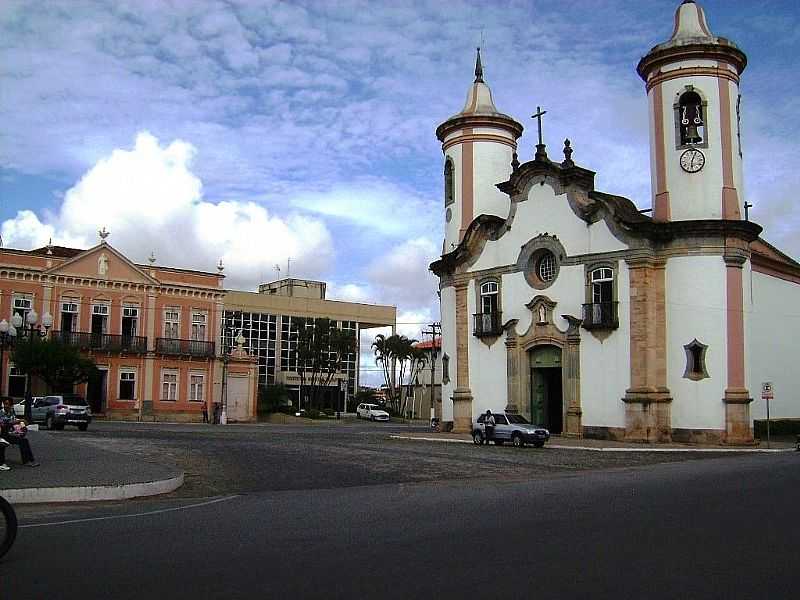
(347, 513)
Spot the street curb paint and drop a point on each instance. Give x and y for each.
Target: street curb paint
(92, 493)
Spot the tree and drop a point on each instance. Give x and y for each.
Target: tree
(59, 365)
(397, 356)
(320, 349)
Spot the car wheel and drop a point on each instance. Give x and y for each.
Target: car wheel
(477, 437)
(517, 440)
(48, 422)
(539, 444)
(372, 418)
(83, 426)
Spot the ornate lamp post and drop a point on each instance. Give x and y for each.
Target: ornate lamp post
(27, 328)
(8, 334)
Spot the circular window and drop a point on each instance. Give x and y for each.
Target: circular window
(542, 269)
(546, 267)
(448, 215)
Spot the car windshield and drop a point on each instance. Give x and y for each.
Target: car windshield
(74, 401)
(517, 419)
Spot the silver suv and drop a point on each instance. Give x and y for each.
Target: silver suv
(57, 411)
(510, 427)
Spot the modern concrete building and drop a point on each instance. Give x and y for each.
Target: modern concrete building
(570, 306)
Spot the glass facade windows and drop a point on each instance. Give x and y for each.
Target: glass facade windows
(260, 334)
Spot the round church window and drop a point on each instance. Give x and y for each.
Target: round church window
(448, 215)
(546, 267)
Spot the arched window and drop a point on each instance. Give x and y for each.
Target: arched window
(600, 310)
(449, 194)
(695, 361)
(489, 293)
(602, 285)
(691, 120)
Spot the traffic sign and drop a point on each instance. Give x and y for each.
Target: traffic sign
(767, 391)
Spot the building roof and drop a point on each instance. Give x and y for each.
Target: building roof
(427, 344)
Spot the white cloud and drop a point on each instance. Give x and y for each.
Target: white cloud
(151, 201)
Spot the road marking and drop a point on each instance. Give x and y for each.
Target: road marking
(601, 449)
(144, 514)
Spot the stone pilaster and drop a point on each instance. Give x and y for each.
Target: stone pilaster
(737, 397)
(647, 401)
(462, 395)
(572, 378)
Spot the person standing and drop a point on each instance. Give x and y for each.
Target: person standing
(488, 426)
(205, 413)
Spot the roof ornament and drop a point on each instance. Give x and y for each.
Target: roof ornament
(103, 234)
(50, 247)
(541, 153)
(478, 67)
(567, 162)
(514, 161)
(220, 266)
(152, 258)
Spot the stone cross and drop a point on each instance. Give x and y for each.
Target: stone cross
(538, 116)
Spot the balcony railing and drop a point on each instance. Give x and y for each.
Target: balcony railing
(176, 347)
(103, 342)
(488, 324)
(600, 315)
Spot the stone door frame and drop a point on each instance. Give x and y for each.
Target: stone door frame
(544, 332)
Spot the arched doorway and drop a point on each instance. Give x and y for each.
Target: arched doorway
(546, 391)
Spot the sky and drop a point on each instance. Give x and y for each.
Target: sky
(301, 134)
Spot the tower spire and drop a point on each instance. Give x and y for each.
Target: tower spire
(478, 68)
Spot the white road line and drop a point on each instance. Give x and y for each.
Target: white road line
(144, 514)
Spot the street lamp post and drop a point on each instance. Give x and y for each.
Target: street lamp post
(27, 328)
(8, 334)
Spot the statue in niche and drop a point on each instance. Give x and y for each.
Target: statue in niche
(102, 264)
(542, 314)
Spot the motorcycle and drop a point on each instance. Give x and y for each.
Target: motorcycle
(8, 526)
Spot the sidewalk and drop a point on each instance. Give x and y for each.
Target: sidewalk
(71, 471)
(571, 443)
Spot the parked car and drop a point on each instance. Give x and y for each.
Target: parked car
(510, 427)
(57, 411)
(373, 412)
(19, 407)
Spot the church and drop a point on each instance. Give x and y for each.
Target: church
(572, 307)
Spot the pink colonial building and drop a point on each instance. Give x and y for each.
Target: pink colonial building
(152, 331)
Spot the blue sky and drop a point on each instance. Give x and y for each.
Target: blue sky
(259, 131)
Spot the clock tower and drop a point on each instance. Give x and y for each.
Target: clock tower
(692, 83)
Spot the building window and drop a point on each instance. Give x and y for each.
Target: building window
(487, 321)
(445, 369)
(22, 306)
(546, 267)
(196, 387)
(16, 382)
(690, 119)
(199, 326)
(542, 269)
(99, 319)
(600, 310)
(127, 384)
(69, 315)
(169, 386)
(130, 320)
(695, 361)
(172, 322)
(449, 187)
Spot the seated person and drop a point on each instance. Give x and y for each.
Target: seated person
(12, 430)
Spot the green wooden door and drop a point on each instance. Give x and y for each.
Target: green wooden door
(541, 358)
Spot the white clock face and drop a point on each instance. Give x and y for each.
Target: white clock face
(692, 160)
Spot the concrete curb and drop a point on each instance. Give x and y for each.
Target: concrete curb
(92, 493)
(600, 449)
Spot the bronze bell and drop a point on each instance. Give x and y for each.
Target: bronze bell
(692, 136)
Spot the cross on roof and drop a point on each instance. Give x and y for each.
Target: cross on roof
(538, 117)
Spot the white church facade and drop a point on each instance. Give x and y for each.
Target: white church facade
(573, 308)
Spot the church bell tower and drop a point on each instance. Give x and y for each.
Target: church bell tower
(692, 85)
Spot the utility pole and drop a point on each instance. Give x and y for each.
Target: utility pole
(434, 331)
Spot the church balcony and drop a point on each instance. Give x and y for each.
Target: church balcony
(488, 324)
(193, 348)
(600, 315)
(102, 342)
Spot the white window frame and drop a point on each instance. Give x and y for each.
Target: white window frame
(199, 321)
(70, 306)
(130, 311)
(22, 298)
(193, 395)
(489, 290)
(599, 276)
(174, 323)
(172, 386)
(126, 371)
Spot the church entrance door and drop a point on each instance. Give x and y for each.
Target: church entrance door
(547, 401)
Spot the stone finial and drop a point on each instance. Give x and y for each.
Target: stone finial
(478, 68)
(50, 247)
(103, 234)
(220, 266)
(567, 162)
(152, 258)
(514, 162)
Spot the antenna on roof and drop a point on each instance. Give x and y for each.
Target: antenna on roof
(277, 268)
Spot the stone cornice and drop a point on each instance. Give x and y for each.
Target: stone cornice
(496, 121)
(721, 51)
